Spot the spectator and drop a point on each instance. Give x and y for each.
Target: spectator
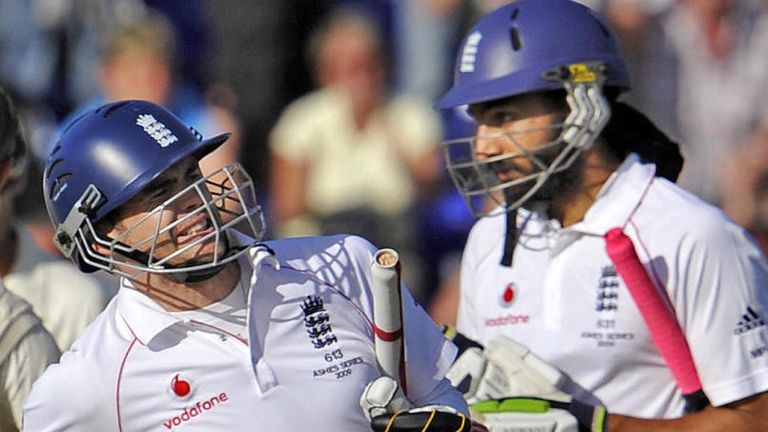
(65, 300)
(349, 157)
(138, 61)
(700, 60)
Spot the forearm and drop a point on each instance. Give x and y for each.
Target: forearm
(745, 416)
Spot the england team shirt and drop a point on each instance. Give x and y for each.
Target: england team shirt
(303, 366)
(563, 299)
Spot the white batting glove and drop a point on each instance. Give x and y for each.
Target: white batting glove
(511, 389)
(388, 410)
(381, 396)
(504, 369)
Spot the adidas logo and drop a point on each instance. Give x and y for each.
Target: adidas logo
(750, 320)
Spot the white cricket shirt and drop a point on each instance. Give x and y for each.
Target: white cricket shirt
(563, 299)
(303, 366)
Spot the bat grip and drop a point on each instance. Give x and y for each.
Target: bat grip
(388, 315)
(660, 320)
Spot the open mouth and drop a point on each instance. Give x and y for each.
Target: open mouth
(506, 170)
(200, 228)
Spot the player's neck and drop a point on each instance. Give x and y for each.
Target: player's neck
(572, 208)
(176, 296)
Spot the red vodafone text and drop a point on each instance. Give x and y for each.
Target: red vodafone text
(198, 408)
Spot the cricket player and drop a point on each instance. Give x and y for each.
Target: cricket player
(212, 330)
(557, 163)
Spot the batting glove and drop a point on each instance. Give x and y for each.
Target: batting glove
(504, 369)
(389, 411)
(529, 414)
(511, 389)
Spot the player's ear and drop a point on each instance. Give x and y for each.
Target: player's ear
(106, 228)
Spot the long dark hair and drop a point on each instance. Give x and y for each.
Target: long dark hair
(629, 130)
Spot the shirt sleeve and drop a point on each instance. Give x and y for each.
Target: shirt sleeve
(428, 354)
(721, 299)
(25, 363)
(66, 398)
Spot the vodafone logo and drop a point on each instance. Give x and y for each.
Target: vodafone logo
(181, 388)
(508, 294)
(507, 320)
(199, 408)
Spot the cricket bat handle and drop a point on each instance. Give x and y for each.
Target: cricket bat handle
(388, 315)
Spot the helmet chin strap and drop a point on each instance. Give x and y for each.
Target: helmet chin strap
(195, 276)
(510, 238)
(192, 276)
(203, 275)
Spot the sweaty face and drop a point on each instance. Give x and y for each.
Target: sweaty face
(159, 226)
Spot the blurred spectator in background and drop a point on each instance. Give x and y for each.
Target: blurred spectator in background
(26, 348)
(745, 193)
(138, 61)
(259, 48)
(65, 300)
(700, 71)
(425, 35)
(722, 84)
(349, 157)
(702, 74)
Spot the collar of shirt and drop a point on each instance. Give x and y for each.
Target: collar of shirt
(146, 318)
(619, 197)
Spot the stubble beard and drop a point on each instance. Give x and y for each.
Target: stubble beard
(557, 188)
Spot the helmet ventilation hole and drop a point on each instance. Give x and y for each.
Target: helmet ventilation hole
(112, 108)
(514, 35)
(58, 185)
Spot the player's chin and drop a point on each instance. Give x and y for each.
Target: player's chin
(199, 254)
(514, 193)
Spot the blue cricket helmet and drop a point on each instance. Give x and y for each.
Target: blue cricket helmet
(531, 46)
(510, 51)
(119, 148)
(109, 155)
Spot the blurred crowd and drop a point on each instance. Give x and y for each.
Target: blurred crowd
(329, 104)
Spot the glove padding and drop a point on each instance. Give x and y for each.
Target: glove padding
(533, 414)
(504, 369)
(382, 396)
(388, 410)
(511, 389)
(432, 419)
